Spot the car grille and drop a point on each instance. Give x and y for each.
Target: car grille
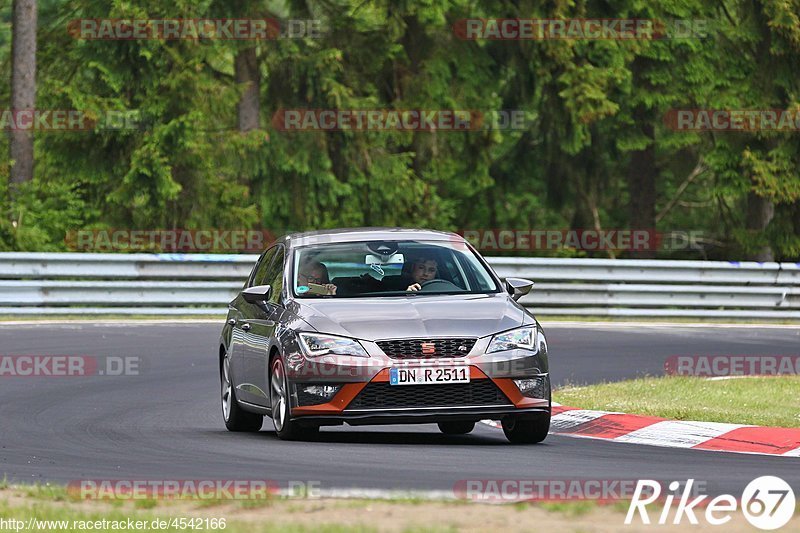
(381, 395)
(420, 348)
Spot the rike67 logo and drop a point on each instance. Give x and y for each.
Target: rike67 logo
(767, 502)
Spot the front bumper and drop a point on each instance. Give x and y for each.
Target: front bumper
(347, 404)
(355, 374)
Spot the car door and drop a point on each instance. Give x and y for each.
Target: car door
(242, 336)
(259, 328)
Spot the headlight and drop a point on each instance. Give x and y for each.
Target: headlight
(318, 344)
(524, 338)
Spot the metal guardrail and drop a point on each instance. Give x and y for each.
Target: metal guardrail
(126, 266)
(187, 284)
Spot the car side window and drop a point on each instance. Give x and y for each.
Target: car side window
(261, 270)
(275, 275)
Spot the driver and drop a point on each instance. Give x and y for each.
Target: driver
(422, 269)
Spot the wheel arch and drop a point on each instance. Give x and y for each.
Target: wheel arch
(273, 353)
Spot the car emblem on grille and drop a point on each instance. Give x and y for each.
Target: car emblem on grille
(462, 348)
(428, 347)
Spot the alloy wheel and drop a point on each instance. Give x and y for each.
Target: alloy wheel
(279, 402)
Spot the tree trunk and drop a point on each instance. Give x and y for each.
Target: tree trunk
(247, 72)
(760, 211)
(642, 182)
(23, 87)
(642, 171)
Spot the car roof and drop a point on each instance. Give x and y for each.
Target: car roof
(368, 234)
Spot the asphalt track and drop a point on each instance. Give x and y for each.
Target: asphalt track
(166, 424)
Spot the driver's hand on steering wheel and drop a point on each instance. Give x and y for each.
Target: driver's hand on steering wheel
(414, 287)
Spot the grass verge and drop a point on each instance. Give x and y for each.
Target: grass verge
(23, 503)
(761, 401)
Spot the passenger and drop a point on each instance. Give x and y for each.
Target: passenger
(312, 271)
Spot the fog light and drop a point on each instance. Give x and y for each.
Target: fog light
(323, 391)
(315, 394)
(533, 387)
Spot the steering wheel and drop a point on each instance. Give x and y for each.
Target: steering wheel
(439, 284)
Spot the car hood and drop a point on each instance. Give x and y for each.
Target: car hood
(416, 316)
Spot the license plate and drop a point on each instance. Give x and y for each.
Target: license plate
(428, 375)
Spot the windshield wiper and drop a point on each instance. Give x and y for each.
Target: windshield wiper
(392, 293)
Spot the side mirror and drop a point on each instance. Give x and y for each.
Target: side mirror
(518, 287)
(258, 294)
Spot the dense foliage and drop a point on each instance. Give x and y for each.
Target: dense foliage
(595, 153)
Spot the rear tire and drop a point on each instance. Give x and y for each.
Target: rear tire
(456, 428)
(285, 427)
(236, 418)
(526, 431)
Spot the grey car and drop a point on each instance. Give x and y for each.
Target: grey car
(382, 326)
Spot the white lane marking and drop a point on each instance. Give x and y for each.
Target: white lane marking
(588, 324)
(677, 434)
(374, 494)
(570, 419)
(792, 453)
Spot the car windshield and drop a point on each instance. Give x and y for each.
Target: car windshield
(388, 268)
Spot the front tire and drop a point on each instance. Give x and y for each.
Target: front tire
(285, 428)
(456, 428)
(526, 431)
(236, 418)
